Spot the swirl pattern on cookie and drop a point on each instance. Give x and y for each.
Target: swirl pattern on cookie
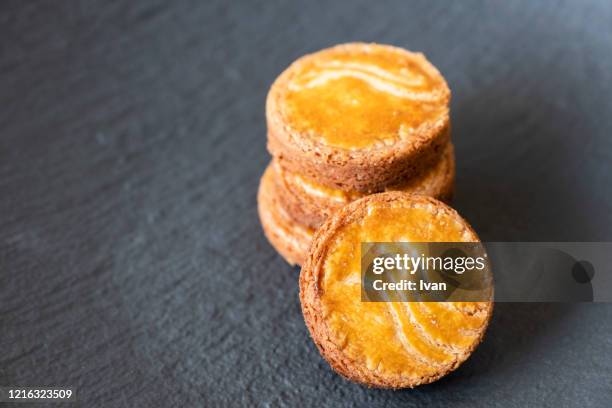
(386, 344)
(363, 95)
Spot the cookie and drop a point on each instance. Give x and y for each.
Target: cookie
(310, 203)
(386, 344)
(358, 116)
(290, 239)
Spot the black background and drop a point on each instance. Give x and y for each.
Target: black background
(132, 138)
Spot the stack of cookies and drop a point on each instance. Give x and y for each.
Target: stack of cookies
(346, 122)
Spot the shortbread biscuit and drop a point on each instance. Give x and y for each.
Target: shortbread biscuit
(310, 203)
(289, 238)
(386, 344)
(358, 116)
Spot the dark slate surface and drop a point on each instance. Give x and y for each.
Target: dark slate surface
(132, 137)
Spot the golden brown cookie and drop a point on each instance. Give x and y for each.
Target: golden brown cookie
(310, 203)
(358, 116)
(386, 344)
(289, 238)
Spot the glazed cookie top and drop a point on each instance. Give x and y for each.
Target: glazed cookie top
(357, 96)
(386, 344)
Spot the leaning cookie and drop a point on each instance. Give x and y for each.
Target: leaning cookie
(358, 116)
(386, 344)
(290, 239)
(311, 203)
